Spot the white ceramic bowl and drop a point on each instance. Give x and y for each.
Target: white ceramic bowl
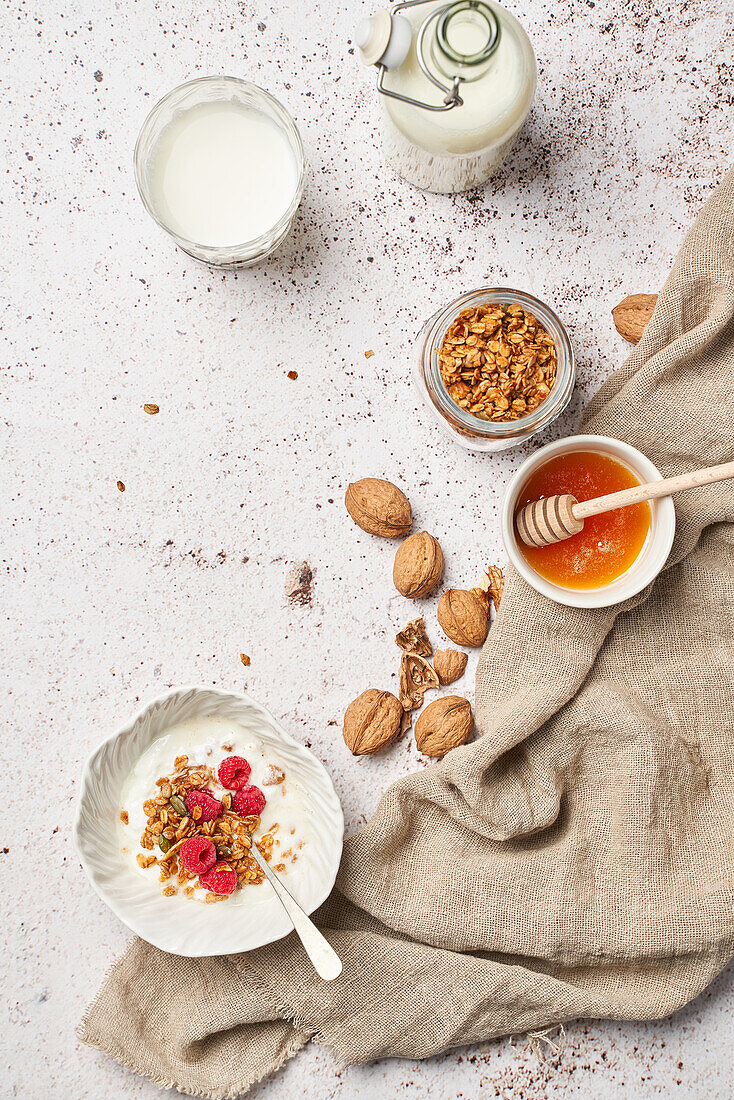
(649, 561)
(187, 927)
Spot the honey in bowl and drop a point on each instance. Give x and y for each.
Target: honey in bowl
(609, 543)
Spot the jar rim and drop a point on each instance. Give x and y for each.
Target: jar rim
(466, 423)
(212, 253)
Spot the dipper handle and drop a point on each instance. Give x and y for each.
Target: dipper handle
(653, 490)
(553, 519)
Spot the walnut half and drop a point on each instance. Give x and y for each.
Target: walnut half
(449, 665)
(416, 677)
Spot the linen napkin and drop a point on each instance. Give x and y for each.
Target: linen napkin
(577, 858)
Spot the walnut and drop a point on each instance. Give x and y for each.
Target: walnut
(418, 566)
(372, 721)
(416, 677)
(632, 314)
(413, 639)
(444, 724)
(463, 616)
(449, 665)
(379, 507)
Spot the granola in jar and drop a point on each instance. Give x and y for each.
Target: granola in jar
(494, 367)
(497, 361)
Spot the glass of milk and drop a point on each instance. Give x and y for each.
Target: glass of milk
(219, 165)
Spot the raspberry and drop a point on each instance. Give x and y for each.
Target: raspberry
(220, 879)
(234, 772)
(198, 855)
(249, 800)
(210, 806)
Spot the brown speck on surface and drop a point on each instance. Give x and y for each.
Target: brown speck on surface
(293, 374)
(299, 584)
(245, 659)
(369, 354)
(121, 486)
(150, 408)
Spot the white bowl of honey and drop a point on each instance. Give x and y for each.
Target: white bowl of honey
(618, 553)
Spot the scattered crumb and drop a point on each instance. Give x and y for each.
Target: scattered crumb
(169, 891)
(151, 409)
(293, 374)
(369, 354)
(245, 659)
(273, 775)
(124, 818)
(121, 486)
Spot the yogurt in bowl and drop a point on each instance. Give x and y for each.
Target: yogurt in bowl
(127, 783)
(190, 756)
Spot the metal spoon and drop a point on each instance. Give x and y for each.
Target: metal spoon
(327, 963)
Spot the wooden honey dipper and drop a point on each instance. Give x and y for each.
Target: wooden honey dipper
(543, 522)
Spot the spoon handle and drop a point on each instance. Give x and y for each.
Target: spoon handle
(653, 490)
(326, 962)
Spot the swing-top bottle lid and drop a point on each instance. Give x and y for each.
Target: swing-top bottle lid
(455, 43)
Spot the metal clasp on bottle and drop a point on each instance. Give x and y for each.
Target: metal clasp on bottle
(385, 39)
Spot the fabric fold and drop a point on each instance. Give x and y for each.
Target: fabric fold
(577, 858)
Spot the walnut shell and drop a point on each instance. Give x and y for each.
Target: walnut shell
(413, 639)
(444, 724)
(416, 677)
(372, 721)
(418, 566)
(449, 665)
(463, 616)
(632, 314)
(379, 507)
(496, 584)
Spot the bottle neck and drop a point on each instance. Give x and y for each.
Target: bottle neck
(465, 40)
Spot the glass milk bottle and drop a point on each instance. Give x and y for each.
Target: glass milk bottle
(456, 83)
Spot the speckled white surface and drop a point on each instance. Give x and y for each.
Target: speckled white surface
(108, 596)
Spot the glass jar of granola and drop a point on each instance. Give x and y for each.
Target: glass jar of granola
(495, 367)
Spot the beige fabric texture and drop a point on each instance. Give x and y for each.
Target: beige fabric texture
(576, 859)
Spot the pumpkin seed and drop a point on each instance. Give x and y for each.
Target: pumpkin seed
(178, 806)
(164, 843)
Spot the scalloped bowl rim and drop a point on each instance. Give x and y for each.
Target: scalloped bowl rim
(275, 924)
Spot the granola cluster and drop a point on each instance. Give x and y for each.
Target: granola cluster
(170, 825)
(497, 362)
